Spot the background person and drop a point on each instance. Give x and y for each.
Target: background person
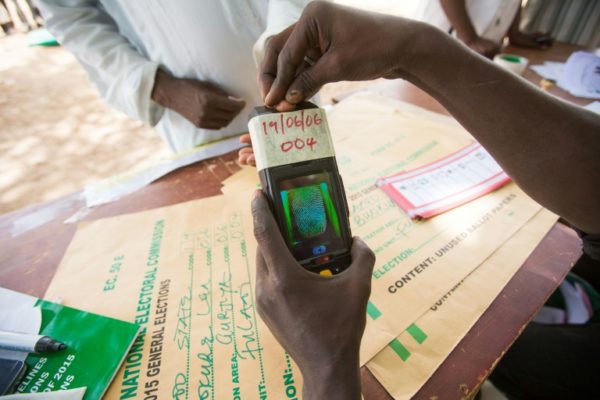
(184, 66)
(481, 24)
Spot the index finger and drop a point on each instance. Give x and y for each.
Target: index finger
(288, 60)
(268, 67)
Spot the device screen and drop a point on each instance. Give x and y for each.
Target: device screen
(312, 221)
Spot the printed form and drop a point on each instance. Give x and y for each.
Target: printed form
(445, 184)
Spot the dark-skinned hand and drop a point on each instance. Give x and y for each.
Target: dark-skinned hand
(319, 320)
(202, 103)
(536, 40)
(344, 43)
(485, 47)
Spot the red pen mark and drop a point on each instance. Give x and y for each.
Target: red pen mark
(300, 121)
(298, 144)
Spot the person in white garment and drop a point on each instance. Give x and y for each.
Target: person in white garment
(187, 67)
(481, 24)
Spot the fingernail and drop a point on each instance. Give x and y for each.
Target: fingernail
(293, 96)
(267, 99)
(235, 98)
(284, 106)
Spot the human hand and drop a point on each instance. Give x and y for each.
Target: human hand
(485, 47)
(343, 43)
(202, 103)
(246, 154)
(319, 320)
(536, 40)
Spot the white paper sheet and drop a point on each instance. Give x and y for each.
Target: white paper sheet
(18, 314)
(118, 186)
(581, 76)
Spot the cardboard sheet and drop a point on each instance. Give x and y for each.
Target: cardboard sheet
(185, 274)
(406, 364)
(115, 187)
(417, 261)
(393, 229)
(242, 181)
(191, 265)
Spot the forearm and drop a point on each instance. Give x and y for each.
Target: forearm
(161, 91)
(515, 27)
(333, 381)
(530, 133)
(456, 12)
(122, 76)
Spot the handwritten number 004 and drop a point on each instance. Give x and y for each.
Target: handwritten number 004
(298, 144)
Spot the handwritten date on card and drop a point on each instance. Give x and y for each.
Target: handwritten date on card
(290, 137)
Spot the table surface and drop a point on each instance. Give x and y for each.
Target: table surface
(28, 260)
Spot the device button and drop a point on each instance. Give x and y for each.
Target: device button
(319, 250)
(321, 260)
(326, 272)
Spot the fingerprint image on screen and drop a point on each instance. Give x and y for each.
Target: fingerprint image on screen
(311, 219)
(308, 210)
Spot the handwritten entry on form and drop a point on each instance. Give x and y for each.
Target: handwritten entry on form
(187, 278)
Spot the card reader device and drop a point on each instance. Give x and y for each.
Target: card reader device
(299, 175)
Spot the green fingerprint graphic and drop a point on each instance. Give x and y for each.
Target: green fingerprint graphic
(308, 210)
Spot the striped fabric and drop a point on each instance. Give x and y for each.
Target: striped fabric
(571, 21)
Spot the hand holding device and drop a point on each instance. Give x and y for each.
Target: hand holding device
(318, 320)
(343, 43)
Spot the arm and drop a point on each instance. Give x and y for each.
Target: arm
(549, 147)
(530, 133)
(456, 12)
(123, 77)
(318, 320)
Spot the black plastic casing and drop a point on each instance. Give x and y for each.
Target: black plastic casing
(11, 373)
(269, 178)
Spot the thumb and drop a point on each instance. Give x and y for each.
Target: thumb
(270, 242)
(307, 83)
(363, 259)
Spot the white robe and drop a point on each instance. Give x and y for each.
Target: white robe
(490, 18)
(121, 43)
